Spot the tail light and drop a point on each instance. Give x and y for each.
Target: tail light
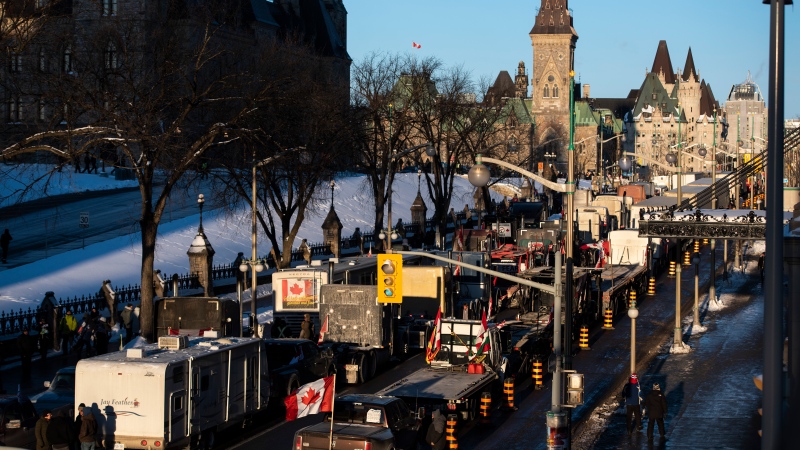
(367, 445)
(451, 406)
(157, 443)
(298, 443)
(143, 443)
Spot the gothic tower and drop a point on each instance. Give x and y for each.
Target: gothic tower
(553, 39)
(521, 81)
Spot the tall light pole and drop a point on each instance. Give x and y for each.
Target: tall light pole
(254, 264)
(633, 313)
(677, 339)
(696, 261)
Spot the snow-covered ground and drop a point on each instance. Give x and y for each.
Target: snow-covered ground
(119, 259)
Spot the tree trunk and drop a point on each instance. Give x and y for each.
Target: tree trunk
(146, 307)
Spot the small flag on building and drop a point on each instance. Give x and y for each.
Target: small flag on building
(415, 45)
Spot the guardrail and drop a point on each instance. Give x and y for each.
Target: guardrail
(13, 321)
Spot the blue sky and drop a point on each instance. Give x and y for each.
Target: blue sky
(617, 39)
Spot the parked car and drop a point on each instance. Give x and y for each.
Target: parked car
(363, 421)
(295, 362)
(60, 393)
(17, 421)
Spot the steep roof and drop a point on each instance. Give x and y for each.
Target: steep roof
(707, 101)
(314, 23)
(503, 87)
(554, 18)
(652, 97)
(663, 64)
(689, 69)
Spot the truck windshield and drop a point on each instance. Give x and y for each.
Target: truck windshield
(282, 355)
(358, 414)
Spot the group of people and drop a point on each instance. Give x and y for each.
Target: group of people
(88, 338)
(655, 407)
(89, 163)
(58, 432)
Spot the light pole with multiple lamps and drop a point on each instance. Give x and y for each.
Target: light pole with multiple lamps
(619, 136)
(254, 264)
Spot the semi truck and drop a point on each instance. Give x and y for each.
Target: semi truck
(177, 393)
(365, 335)
(454, 381)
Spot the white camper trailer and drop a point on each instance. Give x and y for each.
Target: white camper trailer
(177, 393)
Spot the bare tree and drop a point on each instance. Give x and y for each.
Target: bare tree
(163, 106)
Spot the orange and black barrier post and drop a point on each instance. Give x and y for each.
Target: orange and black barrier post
(450, 430)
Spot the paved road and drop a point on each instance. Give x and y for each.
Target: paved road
(47, 227)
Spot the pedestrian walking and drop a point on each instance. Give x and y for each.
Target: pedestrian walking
(88, 431)
(656, 406)
(307, 328)
(435, 437)
(41, 431)
(632, 393)
(59, 432)
(127, 321)
(5, 240)
(93, 160)
(44, 340)
(85, 339)
(26, 344)
(76, 162)
(67, 328)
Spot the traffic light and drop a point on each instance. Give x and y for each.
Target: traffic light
(390, 278)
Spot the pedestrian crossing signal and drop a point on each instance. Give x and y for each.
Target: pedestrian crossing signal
(390, 278)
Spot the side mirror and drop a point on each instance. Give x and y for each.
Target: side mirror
(47, 384)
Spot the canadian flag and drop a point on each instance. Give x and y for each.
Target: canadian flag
(322, 331)
(435, 342)
(457, 270)
(415, 45)
(311, 398)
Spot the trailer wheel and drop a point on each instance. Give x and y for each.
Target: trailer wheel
(359, 359)
(372, 365)
(292, 385)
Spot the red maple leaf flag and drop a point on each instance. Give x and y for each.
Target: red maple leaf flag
(415, 45)
(435, 343)
(311, 398)
(322, 331)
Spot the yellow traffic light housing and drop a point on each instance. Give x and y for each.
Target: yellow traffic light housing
(390, 278)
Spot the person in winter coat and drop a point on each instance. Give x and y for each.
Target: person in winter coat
(435, 436)
(127, 321)
(88, 433)
(67, 327)
(85, 339)
(5, 241)
(26, 344)
(41, 431)
(60, 433)
(307, 328)
(633, 404)
(656, 405)
(102, 334)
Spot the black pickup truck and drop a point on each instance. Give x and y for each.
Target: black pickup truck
(295, 362)
(363, 421)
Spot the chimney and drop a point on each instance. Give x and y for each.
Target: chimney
(586, 90)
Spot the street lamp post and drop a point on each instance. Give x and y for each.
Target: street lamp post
(633, 313)
(696, 262)
(677, 340)
(601, 142)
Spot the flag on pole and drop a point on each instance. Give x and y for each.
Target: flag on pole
(490, 301)
(457, 270)
(415, 45)
(311, 398)
(323, 330)
(369, 254)
(482, 338)
(435, 342)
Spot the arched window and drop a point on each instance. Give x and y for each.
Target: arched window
(111, 56)
(42, 60)
(546, 92)
(67, 60)
(555, 91)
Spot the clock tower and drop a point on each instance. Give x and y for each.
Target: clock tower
(553, 40)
